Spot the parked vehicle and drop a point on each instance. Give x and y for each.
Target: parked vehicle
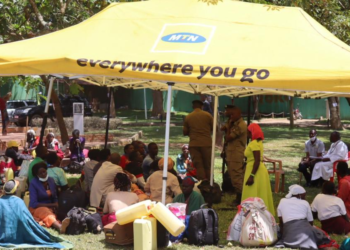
(33, 112)
(14, 104)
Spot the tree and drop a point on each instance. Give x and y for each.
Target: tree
(333, 15)
(157, 103)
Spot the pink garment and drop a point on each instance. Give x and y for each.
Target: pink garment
(108, 218)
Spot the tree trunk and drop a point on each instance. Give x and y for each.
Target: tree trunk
(334, 108)
(58, 111)
(112, 108)
(157, 103)
(256, 107)
(291, 112)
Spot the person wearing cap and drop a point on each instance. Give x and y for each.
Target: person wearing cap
(12, 152)
(193, 200)
(32, 141)
(235, 141)
(154, 184)
(53, 145)
(120, 198)
(198, 125)
(256, 178)
(296, 222)
(18, 225)
(330, 210)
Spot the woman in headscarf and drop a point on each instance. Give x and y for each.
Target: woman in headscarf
(192, 199)
(119, 199)
(296, 222)
(256, 179)
(32, 142)
(154, 184)
(18, 226)
(53, 145)
(184, 164)
(43, 201)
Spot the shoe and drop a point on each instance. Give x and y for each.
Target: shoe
(65, 224)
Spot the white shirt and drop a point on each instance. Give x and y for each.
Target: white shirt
(328, 206)
(337, 151)
(294, 209)
(314, 148)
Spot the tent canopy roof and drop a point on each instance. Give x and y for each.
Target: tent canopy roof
(227, 46)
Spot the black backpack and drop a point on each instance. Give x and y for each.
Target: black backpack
(77, 223)
(72, 197)
(203, 227)
(94, 223)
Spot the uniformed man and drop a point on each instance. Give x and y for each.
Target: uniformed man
(236, 139)
(198, 125)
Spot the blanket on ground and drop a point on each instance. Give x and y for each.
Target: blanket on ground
(20, 230)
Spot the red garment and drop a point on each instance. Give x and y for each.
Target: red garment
(2, 104)
(344, 192)
(108, 218)
(10, 164)
(36, 142)
(59, 152)
(336, 225)
(124, 160)
(256, 131)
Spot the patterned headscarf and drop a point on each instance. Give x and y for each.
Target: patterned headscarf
(188, 180)
(121, 180)
(170, 164)
(256, 131)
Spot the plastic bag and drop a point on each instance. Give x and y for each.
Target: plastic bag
(259, 227)
(179, 210)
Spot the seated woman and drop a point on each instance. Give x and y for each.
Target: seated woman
(12, 152)
(193, 199)
(76, 146)
(18, 226)
(118, 199)
(154, 184)
(124, 160)
(53, 145)
(55, 172)
(184, 164)
(330, 210)
(32, 142)
(296, 222)
(344, 185)
(43, 198)
(134, 167)
(6, 162)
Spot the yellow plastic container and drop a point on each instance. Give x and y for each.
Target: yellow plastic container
(26, 198)
(168, 219)
(143, 234)
(9, 175)
(133, 212)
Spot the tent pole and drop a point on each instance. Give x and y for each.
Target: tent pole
(46, 111)
(216, 98)
(249, 101)
(144, 97)
(166, 146)
(108, 115)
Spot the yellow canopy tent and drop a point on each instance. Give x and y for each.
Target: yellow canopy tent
(221, 46)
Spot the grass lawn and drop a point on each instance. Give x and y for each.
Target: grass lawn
(280, 143)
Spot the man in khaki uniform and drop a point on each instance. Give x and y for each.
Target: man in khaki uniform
(236, 139)
(198, 125)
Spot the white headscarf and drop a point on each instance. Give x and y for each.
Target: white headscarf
(31, 131)
(294, 190)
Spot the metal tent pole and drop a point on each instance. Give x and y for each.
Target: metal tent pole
(166, 146)
(108, 115)
(144, 97)
(216, 100)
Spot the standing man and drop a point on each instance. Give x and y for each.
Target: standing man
(236, 139)
(206, 104)
(198, 126)
(4, 115)
(313, 148)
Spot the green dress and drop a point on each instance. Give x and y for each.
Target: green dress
(194, 203)
(261, 187)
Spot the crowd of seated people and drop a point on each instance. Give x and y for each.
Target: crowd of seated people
(113, 182)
